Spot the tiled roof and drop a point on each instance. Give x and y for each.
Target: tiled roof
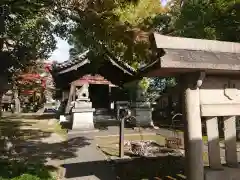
(80, 59)
(71, 62)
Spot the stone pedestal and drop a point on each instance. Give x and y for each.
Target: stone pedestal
(83, 119)
(226, 173)
(82, 116)
(143, 113)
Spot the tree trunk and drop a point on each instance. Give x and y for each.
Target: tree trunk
(3, 88)
(1, 95)
(17, 102)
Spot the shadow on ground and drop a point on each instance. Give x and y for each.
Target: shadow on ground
(105, 124)
(132, 169)
(42, 116)
(22, 152)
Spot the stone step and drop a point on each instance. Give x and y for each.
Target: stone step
(169, 178)
(176, 177)
(181, 176)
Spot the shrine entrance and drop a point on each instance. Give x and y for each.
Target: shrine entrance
(99, 90)
(99, 96)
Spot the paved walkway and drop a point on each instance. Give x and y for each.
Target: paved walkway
(89, 163)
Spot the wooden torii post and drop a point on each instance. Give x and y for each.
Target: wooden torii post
(209, 76)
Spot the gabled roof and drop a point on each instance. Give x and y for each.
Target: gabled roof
(111, 68)
(71, 64)
(82, 59)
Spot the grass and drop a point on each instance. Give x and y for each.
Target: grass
(205, 139)
(21, 130)
(21, 170)
(109, 144)
(45, 126)
(61, 131)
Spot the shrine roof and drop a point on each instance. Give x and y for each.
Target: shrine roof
(176, 55)
(71, 64)
(83, 59)
(112, 69)
(92, 79)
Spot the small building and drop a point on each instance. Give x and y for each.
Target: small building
(104, 77)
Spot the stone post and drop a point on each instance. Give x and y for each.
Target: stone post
(141, 108)
(193, 132)
(213, 143)
(230, 141)
(17, 102)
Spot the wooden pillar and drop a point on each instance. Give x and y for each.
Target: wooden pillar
(70, 98)
(170, 105)
(213, 142)
(109, 98)
(193, 133)
(17, 101)
(63, 95)
(230, 141)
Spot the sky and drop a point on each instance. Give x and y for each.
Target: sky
(163, 2)
(62, 51)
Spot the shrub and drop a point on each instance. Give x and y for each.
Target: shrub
(26, 177)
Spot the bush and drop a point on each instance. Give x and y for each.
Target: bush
(26, 177)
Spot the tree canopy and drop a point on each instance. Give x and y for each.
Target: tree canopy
(120, 26)
(218, 19)
(26, 34)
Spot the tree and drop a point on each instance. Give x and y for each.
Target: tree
(123, 27)
(27, 35)
(218, 19)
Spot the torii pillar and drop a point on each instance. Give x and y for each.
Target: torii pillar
(208, 73)
(192, 126)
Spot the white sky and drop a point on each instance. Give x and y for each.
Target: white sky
(62, 51)
(163, 2)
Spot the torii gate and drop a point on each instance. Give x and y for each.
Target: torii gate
(209, 74)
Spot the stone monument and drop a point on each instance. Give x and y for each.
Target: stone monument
(82, 110)
(141, 108)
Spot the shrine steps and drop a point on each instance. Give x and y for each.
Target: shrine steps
(176, 177)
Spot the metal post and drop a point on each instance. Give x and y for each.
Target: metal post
(121, 132)
(121, 139)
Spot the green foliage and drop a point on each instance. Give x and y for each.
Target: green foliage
(121, 26)
(27, 34)
(18, 170)
(144, 84)
(26, 177)
(219, 19)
